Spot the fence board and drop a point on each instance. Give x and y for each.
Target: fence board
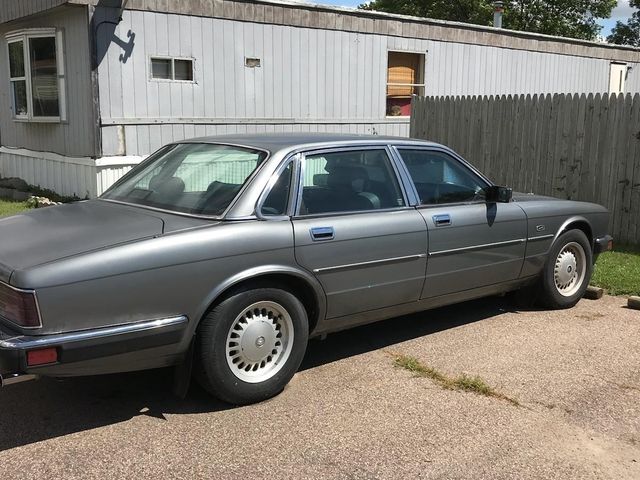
(569, 146)
(633, 169)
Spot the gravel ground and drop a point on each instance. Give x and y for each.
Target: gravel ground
(349, 413)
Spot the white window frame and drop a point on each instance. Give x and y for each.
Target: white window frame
(422, 70)
(173, 69)
(24, 36)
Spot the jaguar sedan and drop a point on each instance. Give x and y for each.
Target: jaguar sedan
(228, 253)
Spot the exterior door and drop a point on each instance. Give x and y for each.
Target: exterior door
(472, 243)
(355, 232)
(617, 78)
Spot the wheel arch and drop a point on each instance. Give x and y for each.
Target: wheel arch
(299, 283)
(576, 223)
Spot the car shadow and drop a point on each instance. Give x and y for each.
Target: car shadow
(386, 333)
(50, 408)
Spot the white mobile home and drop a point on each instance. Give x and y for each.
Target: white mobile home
(89, 87)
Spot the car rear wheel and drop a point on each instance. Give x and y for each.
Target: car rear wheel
(568, 270)
(251, 344)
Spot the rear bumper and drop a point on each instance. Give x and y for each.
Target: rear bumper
(602, 244)
(134, 346)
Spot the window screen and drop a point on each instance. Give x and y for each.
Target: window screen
(178, 69)
(161, 68)
(405, 77)
(36, 75)
(44, 76)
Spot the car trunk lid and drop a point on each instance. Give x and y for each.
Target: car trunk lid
(48, 234)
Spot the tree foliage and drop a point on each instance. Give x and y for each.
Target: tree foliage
(567, 18)
(627, 33)
(469, 11)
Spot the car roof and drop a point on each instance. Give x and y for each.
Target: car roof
(285, 141)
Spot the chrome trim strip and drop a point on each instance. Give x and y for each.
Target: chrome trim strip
(541, 237)
(370, 263)
(26, 343)
(163, 210)
(35, 298)
(478, 247)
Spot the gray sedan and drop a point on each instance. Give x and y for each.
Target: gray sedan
(226, 254)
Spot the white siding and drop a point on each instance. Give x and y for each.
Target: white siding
(462, 69)
(12, 9)
(309, 80)
(64, 175)
(145, 139)
(107, 176)
(304, 73)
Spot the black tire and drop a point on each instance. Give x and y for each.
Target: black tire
(213, 371)
(550, 294)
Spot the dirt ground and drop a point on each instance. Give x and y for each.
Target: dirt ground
(349, 413)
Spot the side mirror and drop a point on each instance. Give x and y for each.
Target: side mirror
(497, 194)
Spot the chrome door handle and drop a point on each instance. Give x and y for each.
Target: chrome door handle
(319, 234)
(442, 220)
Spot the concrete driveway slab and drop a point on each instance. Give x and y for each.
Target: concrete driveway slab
(350, 413)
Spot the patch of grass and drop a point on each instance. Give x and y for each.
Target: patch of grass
(9, 207)
(619, 271)
(591, 316)
(462, 382)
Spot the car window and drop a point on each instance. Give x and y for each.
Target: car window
(277, 199)
(440, 178)
(195, 178)
(349, 181)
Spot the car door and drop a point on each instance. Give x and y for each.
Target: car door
(355, 231)
(472, 243)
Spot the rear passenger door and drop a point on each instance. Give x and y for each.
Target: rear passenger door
(472, 243)
(354, 230)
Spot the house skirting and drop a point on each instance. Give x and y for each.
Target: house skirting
(84, 177)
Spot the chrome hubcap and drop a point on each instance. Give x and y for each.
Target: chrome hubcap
(569, 271)
(259, 342)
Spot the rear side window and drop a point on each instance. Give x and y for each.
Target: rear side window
(440, 178)
(349, 181)
(275, 203)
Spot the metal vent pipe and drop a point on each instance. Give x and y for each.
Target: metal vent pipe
(498, 10)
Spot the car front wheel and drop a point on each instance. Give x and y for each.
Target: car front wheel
(251, 344)
(568, 270)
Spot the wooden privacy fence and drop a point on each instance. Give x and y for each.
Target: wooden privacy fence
(576, 147)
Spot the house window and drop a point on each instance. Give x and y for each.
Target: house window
(36, 75)
(405, 77)
(177, 69)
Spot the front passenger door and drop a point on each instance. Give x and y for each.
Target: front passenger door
(472, 243)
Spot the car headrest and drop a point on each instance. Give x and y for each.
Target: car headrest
(155, 182)
(348, 178)
(170, 187)
(320, 179)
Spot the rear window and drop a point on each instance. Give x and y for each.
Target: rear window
(195, 178)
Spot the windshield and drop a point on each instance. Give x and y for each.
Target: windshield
(196, 178)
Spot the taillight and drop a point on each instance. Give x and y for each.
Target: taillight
(42, 357)
(19, 306)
